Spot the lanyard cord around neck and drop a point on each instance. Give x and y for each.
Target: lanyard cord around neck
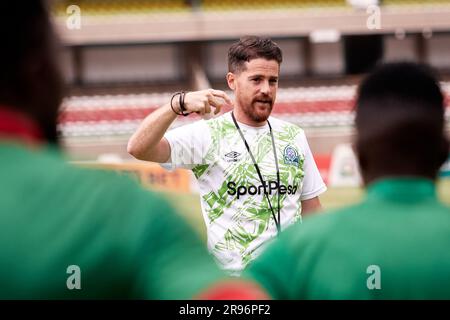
(277, 221)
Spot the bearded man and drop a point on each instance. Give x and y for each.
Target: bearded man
(256, 173)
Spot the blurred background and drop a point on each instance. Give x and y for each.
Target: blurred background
(122, 59)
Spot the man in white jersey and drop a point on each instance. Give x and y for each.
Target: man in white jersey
(256, 173)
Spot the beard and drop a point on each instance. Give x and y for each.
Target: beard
(259, 109)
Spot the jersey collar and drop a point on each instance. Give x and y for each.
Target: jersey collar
(402, 189)
(16, 125)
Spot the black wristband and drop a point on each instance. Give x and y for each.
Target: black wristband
(171, 103)
(182, 106)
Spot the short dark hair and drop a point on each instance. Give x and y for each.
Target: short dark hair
(30, 76)
(249, 48)
(400, 122)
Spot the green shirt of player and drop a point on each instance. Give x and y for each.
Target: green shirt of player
(67, 232)
(393, 245)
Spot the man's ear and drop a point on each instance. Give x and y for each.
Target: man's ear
(231, 80)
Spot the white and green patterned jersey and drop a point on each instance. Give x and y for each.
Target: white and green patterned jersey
(236, 212)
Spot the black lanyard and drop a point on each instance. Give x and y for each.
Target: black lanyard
(277, 221)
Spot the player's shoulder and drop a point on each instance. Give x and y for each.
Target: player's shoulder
(221, 125)
(288, 131)
(199, 124)
(111, 181)
(197, 128)
(88, 184)
(282, 124)
(323, 225)
(94, 181)
(222, 119)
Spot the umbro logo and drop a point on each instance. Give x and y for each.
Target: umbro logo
(232, 156)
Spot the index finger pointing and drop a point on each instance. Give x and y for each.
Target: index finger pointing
(223, 95)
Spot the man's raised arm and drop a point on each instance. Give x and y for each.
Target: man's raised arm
(148, 142)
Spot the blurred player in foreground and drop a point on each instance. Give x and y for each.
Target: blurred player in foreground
(395, 244)
(72, 233)
(256, 173)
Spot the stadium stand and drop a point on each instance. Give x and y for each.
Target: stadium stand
(308, 107)
(161, 21)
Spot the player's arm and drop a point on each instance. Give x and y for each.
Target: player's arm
(148, 142)
(311, 205)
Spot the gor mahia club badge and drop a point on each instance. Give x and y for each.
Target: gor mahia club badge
(290, 155)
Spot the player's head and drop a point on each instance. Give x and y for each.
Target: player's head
(400, 123)
(253, 71)
(30, 79)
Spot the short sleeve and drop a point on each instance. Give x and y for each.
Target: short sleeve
(313, 184)
(189, 145)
